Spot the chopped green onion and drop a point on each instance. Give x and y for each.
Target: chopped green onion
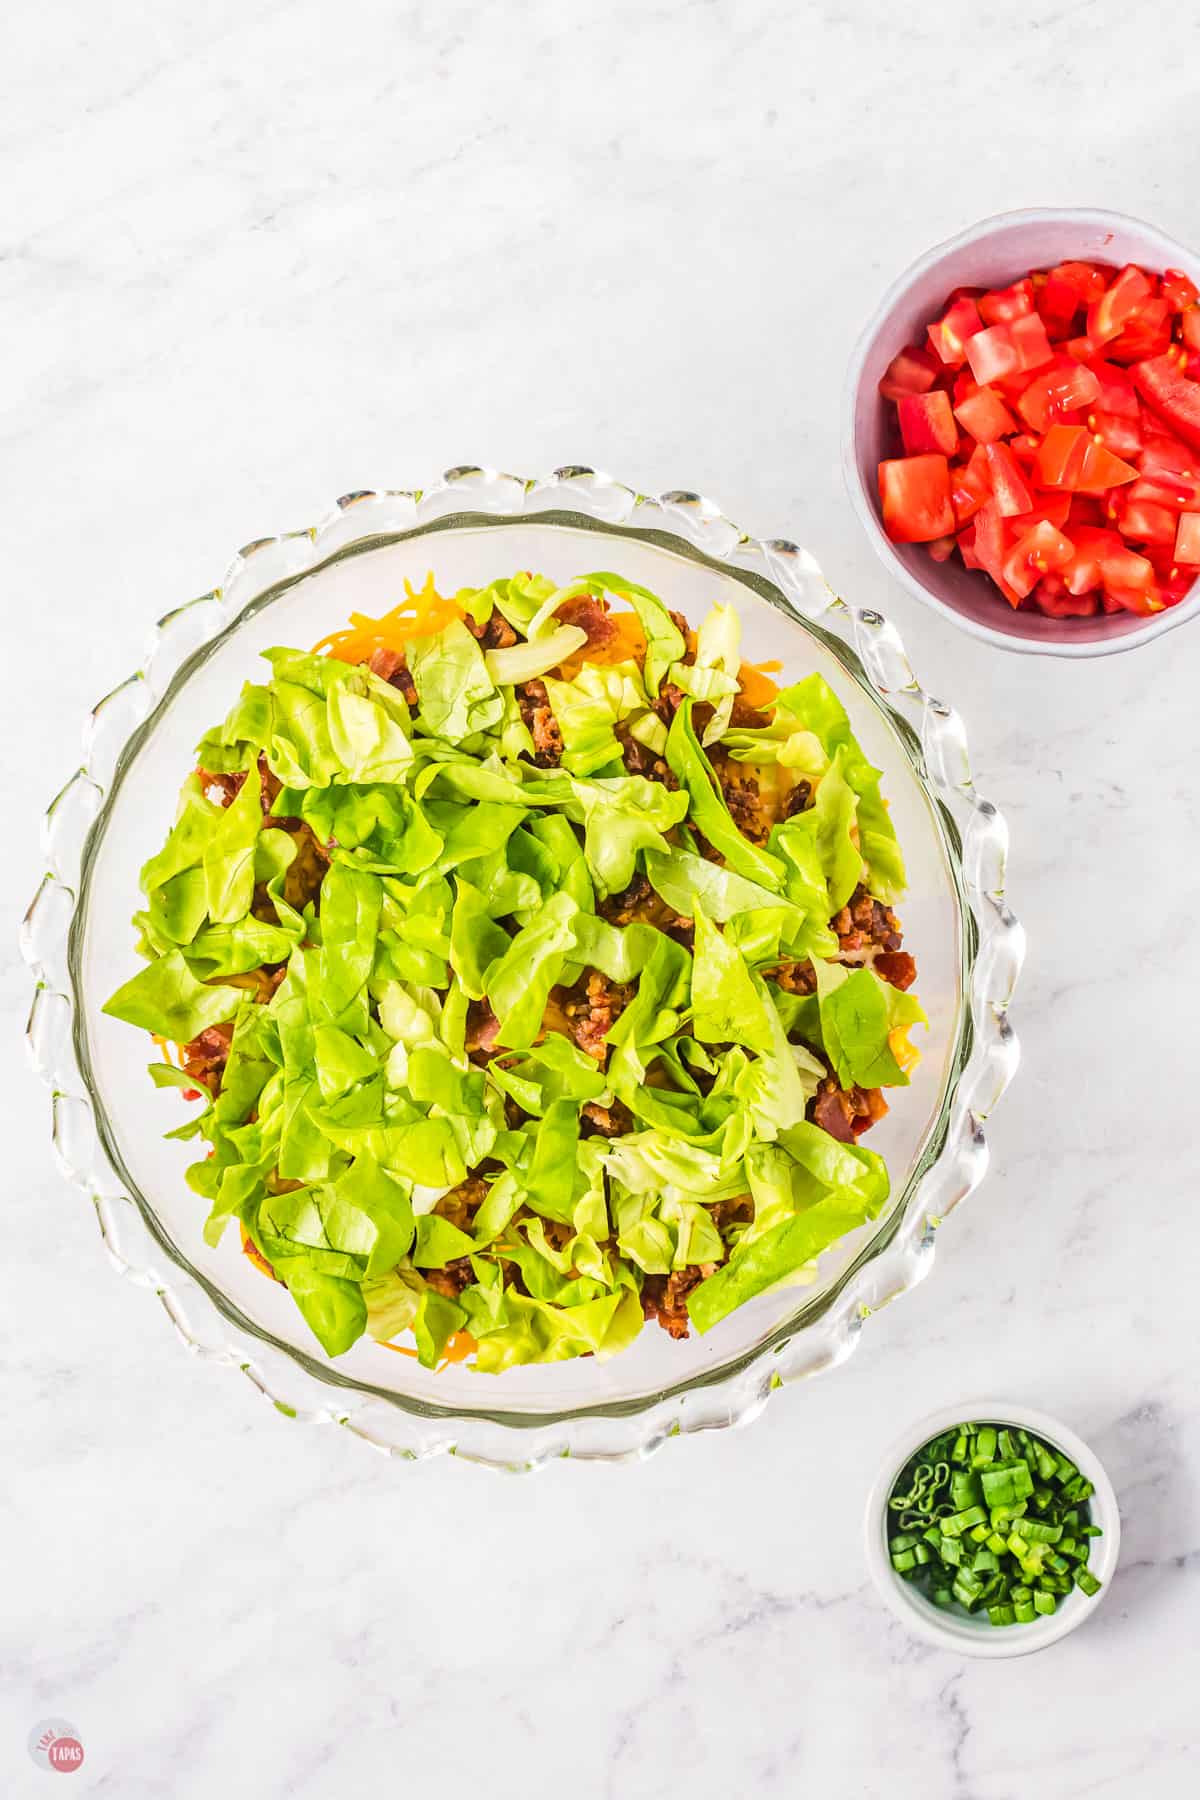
(987, 1518)
(959, 1522)
(1037, 1533)
(985, 1448)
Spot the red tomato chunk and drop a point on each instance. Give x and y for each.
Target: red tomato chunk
(1049, 433)
(915, 491)
(927, 423)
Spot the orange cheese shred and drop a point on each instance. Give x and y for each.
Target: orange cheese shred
(757, 687)
(459, 1346)
(422, 613)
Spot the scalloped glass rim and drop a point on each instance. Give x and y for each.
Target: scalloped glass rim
(984, 1053)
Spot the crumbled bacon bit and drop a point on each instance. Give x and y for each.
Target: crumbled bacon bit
(461, 1203)
(590, 613)
(204, 1058)
(668, 702)
(606, 1121)
(593, 1014)
(494, 634)
(540, 722)
(639, 901)
(796, 977)
(740, 788)
(744, 717)
(896, 966)
(664, 1297)
(845, 1113)
(863, 921)
(391, 667)
(222, 786)
(451, 1280)
(639, 759)
(483, 1028)
(799, 800)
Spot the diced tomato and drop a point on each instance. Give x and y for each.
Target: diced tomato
(1146, 522)
(1179, 291)
(1102, 470)
(911, 371)
(1088, 280)
(1060, 456)
(1117, 392)
(1162, 490)
(1006, 350)
(1070, 457)
(1173, 465)
(949, 336)
(1058, 301)
(1164, 386)
(1122, 436)
(1053, 596)
(1034, 554)
(1054, 508)
(991, 540)
(1148, 333)
(1024, 447)
(1003, 305)
(984, 415)
(1052, 437)
(1085, 510)
(1090, 546)
(915, 494)
(1064, 388)
(1143, 601)
(927, 423)
(970, 486)
(1008, 484)
(1178, 587)
(1187, 539)
(1118, 304)
(1130, 580)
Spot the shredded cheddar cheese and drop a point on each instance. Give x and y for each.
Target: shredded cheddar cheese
(907, 1055)
(757, 687)
(459, 1345)
(422, 613)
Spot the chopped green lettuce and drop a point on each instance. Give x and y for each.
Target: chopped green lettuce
(505, 1042)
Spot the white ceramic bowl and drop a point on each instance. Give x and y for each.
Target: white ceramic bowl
(975, 1635)
(991, 254)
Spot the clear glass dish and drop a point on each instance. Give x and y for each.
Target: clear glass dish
(108, 1119)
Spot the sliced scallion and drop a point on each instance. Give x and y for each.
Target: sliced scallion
(990, 1519)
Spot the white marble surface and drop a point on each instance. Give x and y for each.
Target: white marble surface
(257, 256)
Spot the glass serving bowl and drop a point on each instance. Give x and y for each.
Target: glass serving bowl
(108, 1120)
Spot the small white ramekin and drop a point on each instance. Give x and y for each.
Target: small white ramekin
(975, 1635)
(991, 254)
